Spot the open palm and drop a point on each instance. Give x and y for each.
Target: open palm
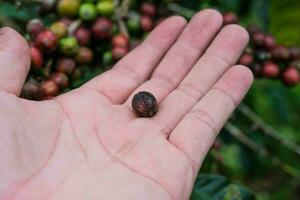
(89, 144)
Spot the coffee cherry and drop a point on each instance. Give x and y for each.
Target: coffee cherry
(269, 42)
(47, 6)
(295, 53)
(144, 104)
(105, 8)
(31, 91)
(107, 58)
(49, 88)
(35, 27)
(46, 41)
(230, 18)
(258, 39)
(280, 53)
(68, 8)
(77, 74)
(262, 55)
(119, 52)
(84, 55)
(102, 28)
(146, 23)
(133, 25)
(61, 80)
(87, 11)
(270, 70)
(83, 36)
(65, 65)
(120, 40)
(217, 145)
(148, 9)
(291, 76)
(59, 29)
(246, 59)
(252, 29)
(66, 21)
(37, 59)
(256, 69)
(68, 46)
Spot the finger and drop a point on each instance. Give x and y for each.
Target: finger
(196, 132)
(223, 53)
(118, 83)
(14, 59)
(183, 54)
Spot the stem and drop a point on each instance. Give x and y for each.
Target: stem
(183, 11)
(261, 151)
(74, 26)
(121, 13)
(267, 129)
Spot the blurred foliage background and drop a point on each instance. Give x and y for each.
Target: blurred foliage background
(259, 147)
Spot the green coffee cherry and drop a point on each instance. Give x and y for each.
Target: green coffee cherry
(107, 58)
(133, 25)
(88, 11)
(68, 46)
(105, 8)
(59, 29)
(68, 8)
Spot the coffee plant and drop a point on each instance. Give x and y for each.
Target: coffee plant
(72, 41)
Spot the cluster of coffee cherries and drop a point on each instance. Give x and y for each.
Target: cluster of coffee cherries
(266, 58)
(84, 34)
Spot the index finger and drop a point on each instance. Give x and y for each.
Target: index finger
(135, 68)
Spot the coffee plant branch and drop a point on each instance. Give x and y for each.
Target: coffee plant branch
(261, 151)
(122, 9)
(267, 129)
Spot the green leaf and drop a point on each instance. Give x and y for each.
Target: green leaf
(284, 17)
(216, 187)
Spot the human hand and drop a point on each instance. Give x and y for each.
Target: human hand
(89, 144)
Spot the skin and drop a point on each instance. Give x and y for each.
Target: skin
(88, 143)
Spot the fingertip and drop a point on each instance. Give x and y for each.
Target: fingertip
(245, 73)
(238, 31)
(211, 15)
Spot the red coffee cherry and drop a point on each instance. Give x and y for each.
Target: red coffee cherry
(148, 9)
(65, 65)
(269, 42)
(146, 23)
(258, 39)
(120, 40)
(84, 55)
(246, 59)
(290, 76)
(49, 88)
(46, 41)
(35, 27)
(270, 70)
(230, 18)
(102, 28)
(295, 53)
(37, 59)
(61, 80)
(83, 36)
(280, 53)
(119, 52)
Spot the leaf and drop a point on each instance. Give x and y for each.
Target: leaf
(284, 17)
(216, 187)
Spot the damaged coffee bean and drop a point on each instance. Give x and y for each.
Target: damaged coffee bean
(144, 104)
